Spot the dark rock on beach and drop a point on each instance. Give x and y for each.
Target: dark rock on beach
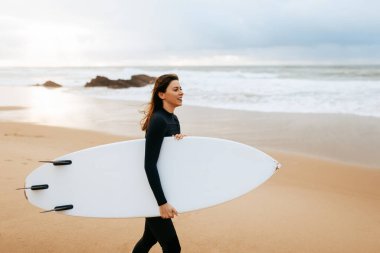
(135, 81)
(50, 84)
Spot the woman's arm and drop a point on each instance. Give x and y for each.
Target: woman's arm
(154, 138)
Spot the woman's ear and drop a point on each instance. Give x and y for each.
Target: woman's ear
(161, 95)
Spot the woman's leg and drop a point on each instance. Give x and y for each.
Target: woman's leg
(164, 232)
(146, 242)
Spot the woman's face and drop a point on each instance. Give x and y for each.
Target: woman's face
(173, 94)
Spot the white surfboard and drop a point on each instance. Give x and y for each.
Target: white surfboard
(109, 181)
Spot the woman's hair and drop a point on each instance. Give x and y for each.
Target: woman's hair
(156, 103)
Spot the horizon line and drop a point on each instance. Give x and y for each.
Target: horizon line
(204, 65)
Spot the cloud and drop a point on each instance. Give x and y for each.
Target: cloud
(120, 32)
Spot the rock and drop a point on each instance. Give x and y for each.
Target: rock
(98, 81)
(49, 84)
(144, 78)
(135, 81)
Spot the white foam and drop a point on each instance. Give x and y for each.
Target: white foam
(268, 89)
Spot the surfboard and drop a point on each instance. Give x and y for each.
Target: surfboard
(109, 181)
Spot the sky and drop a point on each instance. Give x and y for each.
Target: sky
(192, 32)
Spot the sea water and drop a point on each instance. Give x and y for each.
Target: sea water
(300, 89)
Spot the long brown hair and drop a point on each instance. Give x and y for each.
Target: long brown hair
(156, 103)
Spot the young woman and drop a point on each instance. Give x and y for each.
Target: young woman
(159, 122)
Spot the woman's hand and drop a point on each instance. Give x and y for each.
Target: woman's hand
(179, 136)
(167, 211)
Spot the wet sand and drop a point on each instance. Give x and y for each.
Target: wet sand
(345, 138)
(11, 108)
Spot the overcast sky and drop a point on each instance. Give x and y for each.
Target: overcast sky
(192, 32)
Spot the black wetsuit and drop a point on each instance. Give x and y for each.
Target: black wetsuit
(157, 229)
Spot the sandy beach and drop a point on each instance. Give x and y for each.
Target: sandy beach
(325, 198)
(296, 80)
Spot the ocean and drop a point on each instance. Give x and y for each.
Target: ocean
(299, 89)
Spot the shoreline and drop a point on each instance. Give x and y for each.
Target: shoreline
(64, 90)
(343, 138)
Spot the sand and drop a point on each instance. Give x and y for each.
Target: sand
(11, 108)
(325, 198)
(310, 205)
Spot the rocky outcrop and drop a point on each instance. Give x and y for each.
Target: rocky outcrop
(50, 84)
(135, 81)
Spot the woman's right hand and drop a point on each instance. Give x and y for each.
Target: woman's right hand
(167, 211)
(179, 136)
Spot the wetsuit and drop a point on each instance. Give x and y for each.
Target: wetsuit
(157, 229)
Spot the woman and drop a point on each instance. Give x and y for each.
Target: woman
(159, 122)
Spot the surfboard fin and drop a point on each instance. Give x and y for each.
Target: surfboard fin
(59, 208)
(35, 187)
(59, 162)
(279, 165)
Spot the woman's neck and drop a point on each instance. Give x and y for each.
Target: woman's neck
(168, 107)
